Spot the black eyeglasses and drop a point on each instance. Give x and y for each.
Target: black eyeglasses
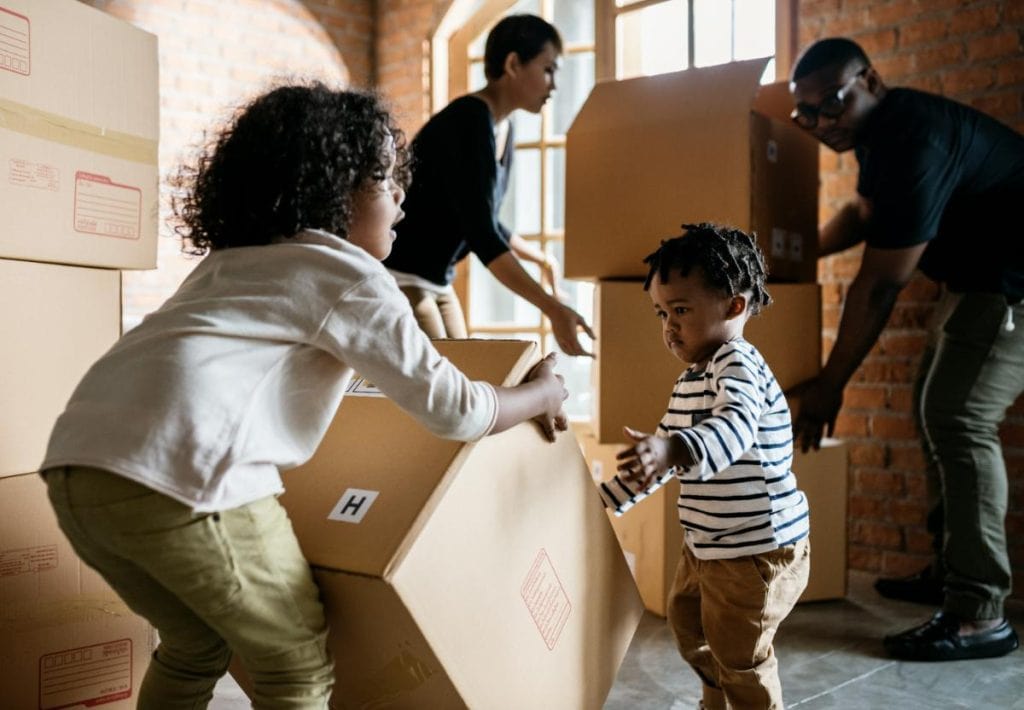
(832, 107)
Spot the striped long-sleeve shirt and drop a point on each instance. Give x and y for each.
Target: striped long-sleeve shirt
(740, 496)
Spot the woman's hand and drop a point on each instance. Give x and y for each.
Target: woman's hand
(566, 325)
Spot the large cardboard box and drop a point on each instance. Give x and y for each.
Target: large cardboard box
(78, 136)
(54, 323)
(481, 575)
(644, 155)
(651, 536)
(634, 372)
(66, 640)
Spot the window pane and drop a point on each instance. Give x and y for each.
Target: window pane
(530, 6)
(477, 80)
(712, 32)
(491, 304)
(527, 127)
(521, 209)
(574, 20)
(554, 189)
(651, 40)
(573, 84)
(577, 374)
(755, 29)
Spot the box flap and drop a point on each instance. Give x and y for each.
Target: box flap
(377, 469)
(774, 101)
(647, 154)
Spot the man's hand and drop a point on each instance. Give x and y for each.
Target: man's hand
(566, 325)
(818, 409)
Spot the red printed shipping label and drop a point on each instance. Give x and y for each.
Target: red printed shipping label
(106, 208)
(15, 42)
(90, 676)
(546, 600)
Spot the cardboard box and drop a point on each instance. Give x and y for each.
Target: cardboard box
(79, 127)
(822, 476)
(651, 536)
(79, 652)
(56, 321)
(480, 575)
(644, 155)
(66, 640)
(634, 372)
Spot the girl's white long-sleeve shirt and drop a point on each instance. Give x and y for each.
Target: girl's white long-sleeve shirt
(238, 375)
(740, 497)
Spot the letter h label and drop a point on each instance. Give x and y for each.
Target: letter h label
(353, 505)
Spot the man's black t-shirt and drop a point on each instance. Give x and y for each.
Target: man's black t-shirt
(457, 187)
(940, 172)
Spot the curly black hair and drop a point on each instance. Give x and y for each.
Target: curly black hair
(729, 260)
(291, 159)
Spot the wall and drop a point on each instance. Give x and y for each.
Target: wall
(972, 52)
(215, 54)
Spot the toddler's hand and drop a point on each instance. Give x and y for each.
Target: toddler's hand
(648, 459)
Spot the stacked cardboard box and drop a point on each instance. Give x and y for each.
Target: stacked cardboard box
(78, 195)
(481, 574)
(643, 156)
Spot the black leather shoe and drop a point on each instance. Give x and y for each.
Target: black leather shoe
(939, 640)
(924, 587)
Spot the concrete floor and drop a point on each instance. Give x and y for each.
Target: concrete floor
(830, 654)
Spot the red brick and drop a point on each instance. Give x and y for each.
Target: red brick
(967, 80)
(923, 31)
(893, 427)
(867, 507)
(1003, 106)
(917, 484)
(901, 398)
(875, 534)
(906, 457)
(862, 557)
(1001, 44)
(877, 481)
(938, 56)
(909, 512)
(859, 396)
(891, 13)
(974, 19)
(879, 42)
(900, 564)
(848, 425)
(1012, 434)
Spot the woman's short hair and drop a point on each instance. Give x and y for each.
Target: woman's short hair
(523, 34)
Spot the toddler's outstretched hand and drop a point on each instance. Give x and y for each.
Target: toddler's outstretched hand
(649, 458)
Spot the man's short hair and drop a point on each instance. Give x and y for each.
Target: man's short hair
(830, 52)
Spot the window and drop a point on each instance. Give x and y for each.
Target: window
(602, 39)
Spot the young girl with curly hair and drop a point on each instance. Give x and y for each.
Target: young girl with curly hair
(165, 466)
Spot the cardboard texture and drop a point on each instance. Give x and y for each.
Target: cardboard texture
(480, 574)
(79, 127)
(65, 638)
(634, 372)
(57, 321)
(651, 536)
(822, 476)
(644, 155)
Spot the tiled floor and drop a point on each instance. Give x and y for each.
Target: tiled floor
(830, 656)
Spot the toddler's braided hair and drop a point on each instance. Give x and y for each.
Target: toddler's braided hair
(728, 258)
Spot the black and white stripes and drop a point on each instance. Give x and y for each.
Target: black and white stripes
(740, 497)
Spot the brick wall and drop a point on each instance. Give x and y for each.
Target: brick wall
(214, 55)
(972, 52)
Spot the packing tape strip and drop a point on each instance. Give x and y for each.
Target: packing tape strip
(30, 121)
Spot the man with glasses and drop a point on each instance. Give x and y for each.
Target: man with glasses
(938, 187)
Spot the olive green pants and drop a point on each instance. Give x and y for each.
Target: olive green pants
(212, 584)
(974, 375)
